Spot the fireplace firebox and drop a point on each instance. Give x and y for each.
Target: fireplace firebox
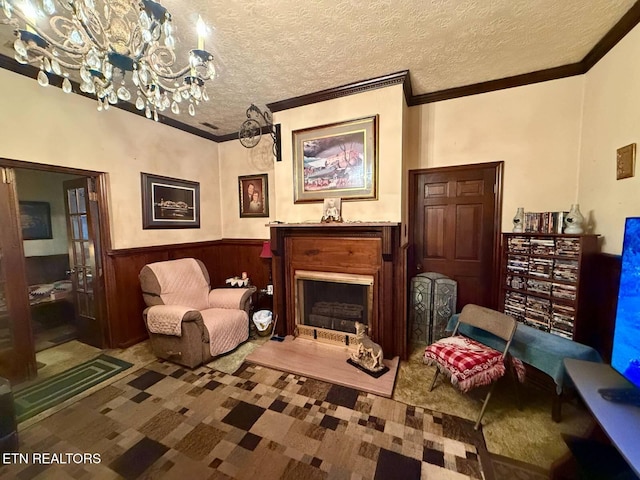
(329, 304)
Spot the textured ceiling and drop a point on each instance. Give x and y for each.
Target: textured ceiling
(272, 51)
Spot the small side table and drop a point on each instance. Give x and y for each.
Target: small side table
(264, 300)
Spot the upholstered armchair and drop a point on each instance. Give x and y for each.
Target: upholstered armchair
(188, 323)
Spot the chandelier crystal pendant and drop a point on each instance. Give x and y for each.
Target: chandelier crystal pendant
(118, 48)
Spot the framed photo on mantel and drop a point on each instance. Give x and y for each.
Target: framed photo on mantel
(169, 202)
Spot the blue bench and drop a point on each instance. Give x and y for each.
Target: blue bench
(542, 350)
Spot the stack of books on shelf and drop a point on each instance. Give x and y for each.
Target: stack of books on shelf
(566, 292)
(514, 303)
(543, 246)
(544, 222)
(569, 247)
(539, 286)
(540, 267)
(518, 263)
(562, 319)
(514, 281)
(518, 244)
(538, 312)
(566, 270)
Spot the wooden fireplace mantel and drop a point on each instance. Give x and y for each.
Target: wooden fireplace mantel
(368, 248)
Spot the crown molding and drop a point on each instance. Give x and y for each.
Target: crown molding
(30, 71)
(499, 84)
(342, 91)
(628, 21)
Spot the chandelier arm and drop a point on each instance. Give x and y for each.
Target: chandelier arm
(42, 52)
(89, 32)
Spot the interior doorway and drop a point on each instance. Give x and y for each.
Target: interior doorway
(50, 263)
(455, 220)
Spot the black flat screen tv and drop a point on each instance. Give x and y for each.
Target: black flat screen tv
(626, 337)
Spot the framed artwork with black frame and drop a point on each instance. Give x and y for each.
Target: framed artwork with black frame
(253, 193)
(169, 202)
(35, 218)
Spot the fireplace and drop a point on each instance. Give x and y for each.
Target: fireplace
(329, 304)
(328, 276)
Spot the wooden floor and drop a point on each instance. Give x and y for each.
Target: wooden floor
(323, 362)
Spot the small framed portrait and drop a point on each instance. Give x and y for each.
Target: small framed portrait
(332, 210)
(253, 193)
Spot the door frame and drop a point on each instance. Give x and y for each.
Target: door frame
(497, 218)
(102, 304)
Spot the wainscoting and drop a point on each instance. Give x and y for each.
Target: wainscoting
(228, 257)
(223, 258)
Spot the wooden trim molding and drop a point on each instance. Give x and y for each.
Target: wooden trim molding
(341, 91)
(617, 32)
(30, 71)
(628, 21)
(499, 84)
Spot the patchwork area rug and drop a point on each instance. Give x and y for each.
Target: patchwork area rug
(50, 392)
(163, 421)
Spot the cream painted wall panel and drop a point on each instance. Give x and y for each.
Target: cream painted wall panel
(44, 125)
(534, 129)
(611, 121)
(37, 186)
(388, 104)
(235, 161)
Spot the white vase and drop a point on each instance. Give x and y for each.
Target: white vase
(518, 221)
(574, 220)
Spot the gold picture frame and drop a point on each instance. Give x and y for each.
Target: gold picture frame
(337, 160)
(625, 161)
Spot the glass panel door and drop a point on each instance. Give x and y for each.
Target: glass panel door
(82, 226)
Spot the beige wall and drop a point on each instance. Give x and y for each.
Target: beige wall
(45, 187)
(534, 129)
(236, 161)
(611, 120)
(44, 125)
(388, 104)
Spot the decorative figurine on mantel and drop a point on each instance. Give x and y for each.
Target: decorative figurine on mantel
(331, 209)
(368, 357)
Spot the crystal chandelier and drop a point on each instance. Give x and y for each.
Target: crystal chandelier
(117, 47)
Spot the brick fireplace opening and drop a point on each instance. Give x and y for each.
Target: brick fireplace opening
(328, 305)
(349, 270)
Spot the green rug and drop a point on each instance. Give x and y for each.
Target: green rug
(60, 387)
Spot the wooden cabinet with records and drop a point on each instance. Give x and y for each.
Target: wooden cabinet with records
(546, 281)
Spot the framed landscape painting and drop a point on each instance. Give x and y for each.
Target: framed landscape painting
(254, 195)
(35, 218)
(169, 202)
(338, 160)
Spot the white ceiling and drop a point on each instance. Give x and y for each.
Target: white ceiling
(268, 51)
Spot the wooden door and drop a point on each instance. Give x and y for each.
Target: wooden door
(455, 217)
(17, 354)
(84, 258)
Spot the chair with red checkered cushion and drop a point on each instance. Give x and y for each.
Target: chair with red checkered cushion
(468, 363)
